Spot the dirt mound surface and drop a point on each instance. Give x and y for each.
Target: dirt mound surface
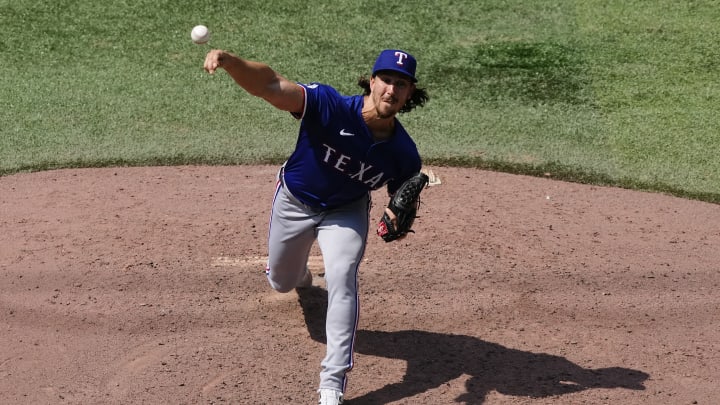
(146, 285)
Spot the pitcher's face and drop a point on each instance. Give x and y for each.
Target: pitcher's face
(389, 92)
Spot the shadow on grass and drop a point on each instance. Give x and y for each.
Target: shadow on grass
(434, 359)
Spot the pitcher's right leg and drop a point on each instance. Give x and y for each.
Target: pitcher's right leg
(291, 235)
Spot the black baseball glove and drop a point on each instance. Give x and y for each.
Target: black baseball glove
(404, 204)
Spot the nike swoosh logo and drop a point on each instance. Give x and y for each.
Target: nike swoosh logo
(343, 133)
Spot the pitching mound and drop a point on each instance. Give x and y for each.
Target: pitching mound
(146, 285)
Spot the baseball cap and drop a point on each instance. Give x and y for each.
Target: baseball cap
(396, 60)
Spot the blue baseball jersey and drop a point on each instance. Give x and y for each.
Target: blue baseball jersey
(336, 160)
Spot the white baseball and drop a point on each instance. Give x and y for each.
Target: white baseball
(200, 34)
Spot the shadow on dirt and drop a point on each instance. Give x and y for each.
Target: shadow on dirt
(434, 359)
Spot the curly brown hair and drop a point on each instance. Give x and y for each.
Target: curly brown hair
(418, 98)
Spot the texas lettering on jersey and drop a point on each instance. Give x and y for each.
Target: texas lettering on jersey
(356, 169)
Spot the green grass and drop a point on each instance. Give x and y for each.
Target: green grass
(618, 93)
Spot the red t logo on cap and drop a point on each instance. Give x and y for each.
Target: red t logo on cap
(401, 56)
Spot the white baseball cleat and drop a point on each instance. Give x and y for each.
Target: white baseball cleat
(330, 397)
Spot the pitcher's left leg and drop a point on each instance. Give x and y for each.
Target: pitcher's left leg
(342, 236)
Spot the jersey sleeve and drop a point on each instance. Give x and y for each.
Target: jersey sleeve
(299, 115)
(320, 102)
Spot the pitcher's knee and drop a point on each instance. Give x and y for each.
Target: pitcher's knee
(280, 284)
(282, 289)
